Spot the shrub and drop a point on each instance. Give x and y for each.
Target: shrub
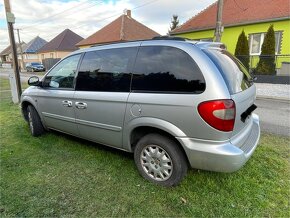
(242, 49)
(266, 64)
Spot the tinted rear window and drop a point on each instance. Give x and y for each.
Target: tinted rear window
(162, 69)
(233, 71)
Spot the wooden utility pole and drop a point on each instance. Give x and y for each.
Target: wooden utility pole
(218, 29)
(10, 21)
(21, 52)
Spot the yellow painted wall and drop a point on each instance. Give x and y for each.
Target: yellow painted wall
(84, 46)
(56, 54)
(231, 34)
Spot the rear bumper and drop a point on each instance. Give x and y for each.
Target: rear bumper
(227, 156)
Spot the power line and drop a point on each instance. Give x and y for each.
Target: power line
(148, 3)
(49, 18)
(137, 7)
(100, 20)
(117, 14)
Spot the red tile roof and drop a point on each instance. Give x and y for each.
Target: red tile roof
(8, 49)
(124, 28)
(65, 41)
(238, 12)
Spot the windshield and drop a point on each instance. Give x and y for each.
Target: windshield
(34, 64)
(232, 70)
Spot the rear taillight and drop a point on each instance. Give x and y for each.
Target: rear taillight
(220, 114)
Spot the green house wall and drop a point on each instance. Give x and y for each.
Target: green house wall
(231, 34)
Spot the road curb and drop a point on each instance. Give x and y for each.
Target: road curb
(273, 98)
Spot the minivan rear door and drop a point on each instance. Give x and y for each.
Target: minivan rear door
(239, 83)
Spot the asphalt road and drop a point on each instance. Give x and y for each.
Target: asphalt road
(23, 76)
(274, 114)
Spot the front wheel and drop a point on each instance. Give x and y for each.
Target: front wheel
(160, 160)
(35, 125)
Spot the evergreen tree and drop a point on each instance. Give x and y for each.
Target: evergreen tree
(174, 22)
(242, 49)
(266, 63)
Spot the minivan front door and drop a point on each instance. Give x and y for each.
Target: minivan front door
(102, 90)
(55, 98)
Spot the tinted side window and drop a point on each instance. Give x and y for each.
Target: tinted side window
(63, 74)
(106, 70)
(166, 69)
(233, 71)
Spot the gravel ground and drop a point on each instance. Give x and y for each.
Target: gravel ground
(273, 90)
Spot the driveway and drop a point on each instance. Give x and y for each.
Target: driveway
(274, 116)
(24, 76)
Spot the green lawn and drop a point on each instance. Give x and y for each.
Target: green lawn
(5, 91)
(58, 175)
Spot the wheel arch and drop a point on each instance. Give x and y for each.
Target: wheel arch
(152, 125)
(26, 101)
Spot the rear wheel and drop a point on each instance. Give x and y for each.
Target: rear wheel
(35, 125)
(160, 160)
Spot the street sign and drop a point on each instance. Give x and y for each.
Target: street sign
(10, 17)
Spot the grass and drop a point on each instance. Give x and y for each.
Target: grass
(59, 175)
(5, 91)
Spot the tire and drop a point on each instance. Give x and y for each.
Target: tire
(148, 156)
(35, 125)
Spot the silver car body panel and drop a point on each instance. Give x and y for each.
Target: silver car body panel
(102, 120)
(54, 112)
(111, 117)
(226, 156)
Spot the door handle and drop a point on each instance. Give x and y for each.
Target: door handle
(67, 103)
(81, 105)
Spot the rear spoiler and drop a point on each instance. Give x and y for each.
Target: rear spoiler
(214, 45)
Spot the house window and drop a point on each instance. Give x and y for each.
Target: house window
(51, 55)
(278, 37)
(257, 39)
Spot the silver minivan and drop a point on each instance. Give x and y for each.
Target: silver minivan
(175, 103)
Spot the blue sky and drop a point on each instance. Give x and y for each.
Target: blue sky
(2, 21)
(46, 18)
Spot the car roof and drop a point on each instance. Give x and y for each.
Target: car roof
(163, 40)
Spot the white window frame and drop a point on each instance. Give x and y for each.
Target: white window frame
(262, 36)
(251, 43)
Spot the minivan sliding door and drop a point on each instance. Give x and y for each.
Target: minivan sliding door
(102, 90)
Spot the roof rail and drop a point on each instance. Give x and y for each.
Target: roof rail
(169, 38)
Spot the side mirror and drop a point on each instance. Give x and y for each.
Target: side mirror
(34, 81)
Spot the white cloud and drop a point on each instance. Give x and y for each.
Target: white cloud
(44, 18)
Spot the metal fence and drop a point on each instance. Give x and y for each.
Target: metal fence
(282, 63)
(49, 62)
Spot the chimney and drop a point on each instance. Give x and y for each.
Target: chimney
(128, 12)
